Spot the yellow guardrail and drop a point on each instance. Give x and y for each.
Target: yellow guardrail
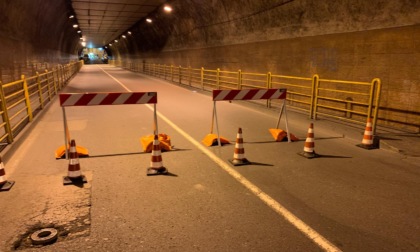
(22, 99)
(352, 101)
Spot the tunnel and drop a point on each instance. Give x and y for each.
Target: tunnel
(209, 125)
(344, 40)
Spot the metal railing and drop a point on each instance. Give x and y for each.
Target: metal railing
(353, 101)
(22, 99)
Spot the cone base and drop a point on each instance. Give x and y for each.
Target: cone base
(157, 171)
(74, 181)
(280, 135)
(308, 155)
(6, 186)
(238, 162)
(367, 146)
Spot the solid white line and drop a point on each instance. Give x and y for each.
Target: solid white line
(273, 204)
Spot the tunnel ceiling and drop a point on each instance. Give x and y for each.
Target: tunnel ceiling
(101, 21)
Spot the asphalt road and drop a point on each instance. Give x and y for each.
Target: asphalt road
(348, 199)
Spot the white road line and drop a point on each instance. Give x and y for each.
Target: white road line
(273, 204)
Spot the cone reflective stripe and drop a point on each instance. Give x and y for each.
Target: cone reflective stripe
(4, 184)
(368, 139)
(239, 152)
(308, 148)
(309, 143)
(156, 160)
(156, 164)
(74, 174)
(2, 174)
(74, 165)
(368, 135)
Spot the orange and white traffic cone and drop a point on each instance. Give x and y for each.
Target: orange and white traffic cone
(156, 165)
(239, 152)
(308, 149)
(367, 141)
(74, 175)
(4, 184)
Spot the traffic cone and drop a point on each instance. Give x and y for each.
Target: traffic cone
(308, 149)
(4, 184)
(239, 153)
(74, 175)
(367, 141)
(156, 165)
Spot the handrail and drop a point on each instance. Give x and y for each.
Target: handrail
(22, 99)
(353, 101)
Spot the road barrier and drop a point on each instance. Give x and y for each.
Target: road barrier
(96, 99)
(249, 94)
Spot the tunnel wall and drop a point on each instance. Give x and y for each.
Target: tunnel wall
(345, 39)
(35, 35)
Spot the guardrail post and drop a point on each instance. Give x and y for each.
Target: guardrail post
(41, 99)
(202, 77)
(48, 85)
(268, 85)
(239, 79)
(172, 73)
(314, 96)
(179, 74)
(27, 99)
(376, 81)
(54, 82)
(5, 115)
(218, 78)
(189, 75)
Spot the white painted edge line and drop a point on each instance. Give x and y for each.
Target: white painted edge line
(317, 238)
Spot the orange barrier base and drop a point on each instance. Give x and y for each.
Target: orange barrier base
(211, 140)
(61, 152)
(164, 142)
(281, 135)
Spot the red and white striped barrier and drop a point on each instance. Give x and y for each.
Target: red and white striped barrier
(92, 99)
(249, 94)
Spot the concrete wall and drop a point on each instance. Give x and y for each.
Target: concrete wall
(34, 35)
(344, 39)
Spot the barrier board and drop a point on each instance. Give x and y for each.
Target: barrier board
(250, 94)
(98, 99)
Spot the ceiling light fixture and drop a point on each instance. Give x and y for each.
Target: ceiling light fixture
(167, 8)
(129, 32)
(123, 36)
(75, 26)
(116, 41)
(148, 20)
(71, 16)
